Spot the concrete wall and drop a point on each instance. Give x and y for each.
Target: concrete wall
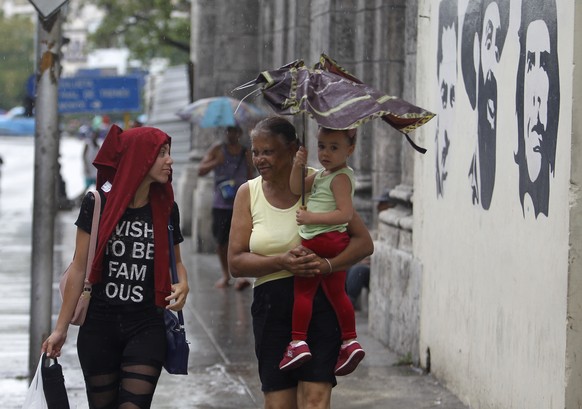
(395, 284)
(493, 245)
(573, 328)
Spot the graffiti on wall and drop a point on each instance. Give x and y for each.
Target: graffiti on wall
(447, 81)
(537, 94)
(483, 37)
(537, 102)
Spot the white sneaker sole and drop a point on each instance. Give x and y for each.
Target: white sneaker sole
(296, 361)
(351, 363)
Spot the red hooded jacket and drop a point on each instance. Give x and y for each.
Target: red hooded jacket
(124, 159)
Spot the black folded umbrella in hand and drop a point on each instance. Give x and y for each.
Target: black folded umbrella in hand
(53, 383)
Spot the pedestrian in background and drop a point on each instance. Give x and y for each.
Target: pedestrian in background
(122, 343)
(265, 243)
(232, 166)
(92, 145)
(358, 278)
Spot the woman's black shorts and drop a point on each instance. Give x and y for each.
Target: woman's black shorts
(272, 311)
(221, 224)
(104, 345)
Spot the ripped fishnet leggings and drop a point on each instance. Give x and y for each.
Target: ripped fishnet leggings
(132, 388)
(121, 361)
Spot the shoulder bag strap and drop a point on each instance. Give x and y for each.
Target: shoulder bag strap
(94, 231)
(173, 270)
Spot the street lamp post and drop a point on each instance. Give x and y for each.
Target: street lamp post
(49, 39)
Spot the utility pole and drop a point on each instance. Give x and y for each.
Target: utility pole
(46, 151)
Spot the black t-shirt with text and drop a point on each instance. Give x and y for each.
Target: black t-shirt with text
(127, 278)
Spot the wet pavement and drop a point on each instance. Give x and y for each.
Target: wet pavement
(222, 366)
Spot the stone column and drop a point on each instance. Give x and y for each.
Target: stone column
(395, 274)
(225, 50)
(395, 280)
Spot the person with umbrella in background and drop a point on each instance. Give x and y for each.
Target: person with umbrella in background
(232, 166)
(323, 229)
(229, 159)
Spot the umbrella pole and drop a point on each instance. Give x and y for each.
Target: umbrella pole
(304, 169)
(303, 188)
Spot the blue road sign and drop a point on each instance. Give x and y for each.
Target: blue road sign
(99, 94)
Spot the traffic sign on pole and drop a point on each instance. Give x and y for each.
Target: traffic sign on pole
(47, 7)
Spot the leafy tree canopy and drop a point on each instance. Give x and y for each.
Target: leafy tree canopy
(16, 58)
(148, 28)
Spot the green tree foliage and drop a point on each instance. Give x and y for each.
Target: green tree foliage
(16, 59)
(148, 28)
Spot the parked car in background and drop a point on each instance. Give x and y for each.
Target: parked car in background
(15, 123)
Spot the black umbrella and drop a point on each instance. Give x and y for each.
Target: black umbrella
(335, 98)
(53, 383)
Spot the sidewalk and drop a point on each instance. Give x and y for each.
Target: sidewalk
(222, 363)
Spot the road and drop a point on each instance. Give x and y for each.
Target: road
(18, 170)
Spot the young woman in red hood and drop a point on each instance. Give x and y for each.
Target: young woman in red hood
(121, 344)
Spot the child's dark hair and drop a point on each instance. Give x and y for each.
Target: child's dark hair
(350, 133)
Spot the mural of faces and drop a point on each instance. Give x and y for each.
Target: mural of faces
(446, 78)
(536, 90)
(537, 103)
(537, 94)
(483, 37)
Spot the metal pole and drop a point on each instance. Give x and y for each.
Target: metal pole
(46, 150)
(303, 167)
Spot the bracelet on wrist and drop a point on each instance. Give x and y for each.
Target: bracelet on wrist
(329, 264)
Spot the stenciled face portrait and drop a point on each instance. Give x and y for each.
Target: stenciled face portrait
(446, 65)
(490, 55)
(483, 38)
(487, 103)
(536, 90)
(537, 104)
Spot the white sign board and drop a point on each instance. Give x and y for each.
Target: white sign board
(47, 7)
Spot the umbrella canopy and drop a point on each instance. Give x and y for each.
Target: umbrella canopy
(221, 112)
(335, 98)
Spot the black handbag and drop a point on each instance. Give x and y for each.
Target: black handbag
(177, 348)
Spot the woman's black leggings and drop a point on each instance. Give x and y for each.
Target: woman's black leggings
(122, 359)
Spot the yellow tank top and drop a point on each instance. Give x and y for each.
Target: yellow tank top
(274, 230)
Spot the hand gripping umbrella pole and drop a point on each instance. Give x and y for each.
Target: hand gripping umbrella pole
(303, 168)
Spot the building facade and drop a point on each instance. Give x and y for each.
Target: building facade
(476, 272)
